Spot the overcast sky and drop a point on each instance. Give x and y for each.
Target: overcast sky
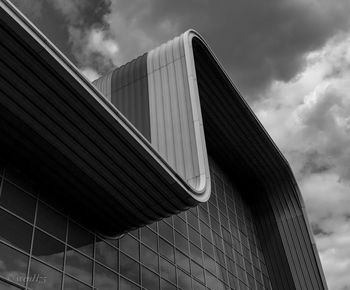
(289, 58)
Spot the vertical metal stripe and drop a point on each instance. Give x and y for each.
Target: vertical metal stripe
(129, 93)
(171, 110)
(179, 156)
(152, 101)
(183, 94)
(167, 111)
(191, 128)
(127, 88)
(161, 141)
(104, 85)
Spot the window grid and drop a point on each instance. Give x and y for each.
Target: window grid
(224, 250)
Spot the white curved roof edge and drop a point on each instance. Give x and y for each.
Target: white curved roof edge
(203, 180)
(166, 55)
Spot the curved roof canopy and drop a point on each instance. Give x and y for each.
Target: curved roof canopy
(138, 153)
(60, 127)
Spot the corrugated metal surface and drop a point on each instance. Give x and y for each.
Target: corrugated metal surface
(127, 88)
(158, 93)
(104, 85)
(172, 120)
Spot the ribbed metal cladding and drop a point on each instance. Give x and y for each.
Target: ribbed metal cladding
(158, 93)
(173, 122)
(239, 142)
(104, 85)
(127, 88)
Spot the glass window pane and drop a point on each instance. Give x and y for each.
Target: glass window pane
(19, 202)
(169, 220)
(197, 286)
(50, 221)
(48, 249)
(107, 255)
(211, 280)
(78, 266)
(205, 231)
(129, 268)
(181, 242)
(13, 264)
(196, 254)
(166, 250)
(72, 284)
(208, 247)
(218, 242)
(80, 238)
(149, 238)
(150, 280)
(213, 210)
(209, 264)
(7, 286)
(220, 257)
(42, 277)
(182, 261)
(149, 258)
(194, 236)
(105, 279)
(15, 231)
(197, 271)
(215, 226)
(204, 215)
(130, 246)
(183, 280)
(193, 220)
(233, 281)
(166, 231)
(167, 270)
(127, 285)
(165, 285)
(180, 225)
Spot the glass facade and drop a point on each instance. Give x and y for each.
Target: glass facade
(211, 246)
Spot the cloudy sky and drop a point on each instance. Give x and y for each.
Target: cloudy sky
(289, 58)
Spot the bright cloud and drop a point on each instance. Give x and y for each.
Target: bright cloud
(94, 48)
(89, 73)
(309, 119)
(92, 44)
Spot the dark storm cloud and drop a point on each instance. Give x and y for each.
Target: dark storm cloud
(257, 41)
(56, 19)
(82, 13)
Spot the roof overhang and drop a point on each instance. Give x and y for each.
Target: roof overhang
(75, 140)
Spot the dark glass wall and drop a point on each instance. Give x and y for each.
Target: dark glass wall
(212, 246)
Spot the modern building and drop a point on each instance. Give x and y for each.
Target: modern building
(158, 176)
